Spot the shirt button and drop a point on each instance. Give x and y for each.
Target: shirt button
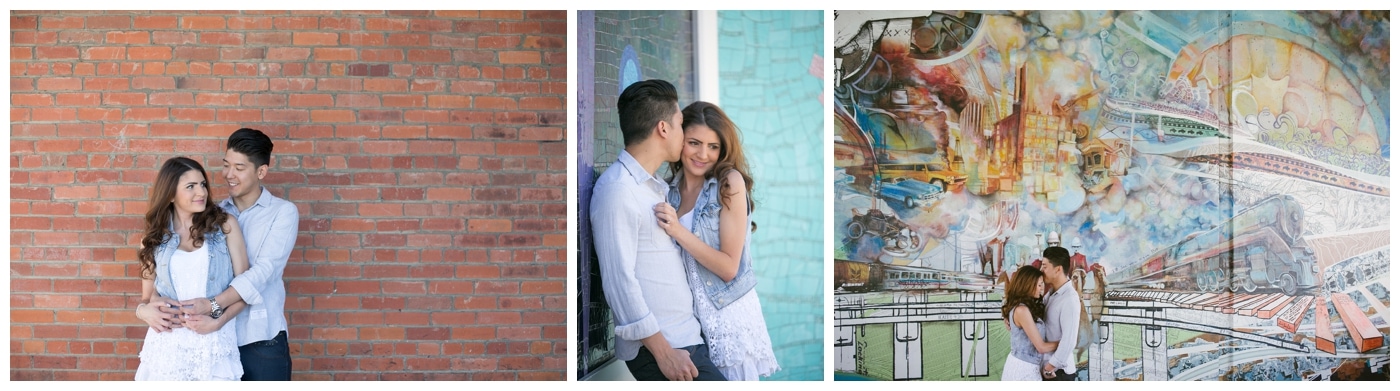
(709, 283)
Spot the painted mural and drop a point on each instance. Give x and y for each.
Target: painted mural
(1220, 177)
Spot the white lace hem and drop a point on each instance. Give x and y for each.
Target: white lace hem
(183, 355)
(737, 336)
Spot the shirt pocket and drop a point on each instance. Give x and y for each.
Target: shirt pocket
(651, 238)
(707, 218)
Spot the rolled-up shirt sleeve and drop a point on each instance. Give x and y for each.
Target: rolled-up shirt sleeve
(615, 232)
(272, 253)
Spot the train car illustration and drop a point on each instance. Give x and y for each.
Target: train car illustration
(1261, 247)
(852, 276)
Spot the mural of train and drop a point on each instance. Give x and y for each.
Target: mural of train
(853, 276)
(1262, 247)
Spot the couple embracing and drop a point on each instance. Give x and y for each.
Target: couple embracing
(674, 255)
(1042, 312)
(211, 276)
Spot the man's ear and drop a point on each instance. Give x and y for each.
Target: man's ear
(262, 171)
(662, 129)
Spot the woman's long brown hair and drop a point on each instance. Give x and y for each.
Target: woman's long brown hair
(1021, 290)
(161, 210)
(731, 152)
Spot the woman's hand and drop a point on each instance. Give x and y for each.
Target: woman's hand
(202, 324)
(159, 314)
(666, 218)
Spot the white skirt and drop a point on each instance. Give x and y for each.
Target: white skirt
(1017, 370)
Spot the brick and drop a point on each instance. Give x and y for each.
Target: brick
(173, 37)
(382, 55)
(519, 57)
(250, 23)
(436, 25)
(429, 180)
(57, 23)
(220, 38)
(268, 38)
(149, 53)
(60, 83)
(498, 41)
(202, 22)
(315, 39)
(56, 52)
(296, 23)
(429, 55)
(475, 26)
(31, 100)
(288, 54)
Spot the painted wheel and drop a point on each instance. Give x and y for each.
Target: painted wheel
(1249, 285)
(854, 229)
(1288, 284)
(909, 202)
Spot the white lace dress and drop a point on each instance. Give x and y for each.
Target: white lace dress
(182, 354)
(736, 334)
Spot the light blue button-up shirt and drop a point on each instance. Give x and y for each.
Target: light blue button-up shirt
(270, 231)
(1062, 324)
(643, 277)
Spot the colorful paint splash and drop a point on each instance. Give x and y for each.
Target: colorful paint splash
(1221, 177)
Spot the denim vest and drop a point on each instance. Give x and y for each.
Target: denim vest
(706, 227)
(220, 263)
(1021, 346)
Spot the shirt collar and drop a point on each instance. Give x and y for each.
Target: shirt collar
(639, 173)
(264, 198)
(1062, 289)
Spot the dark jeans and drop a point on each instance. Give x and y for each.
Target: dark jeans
(645, 368)
(267, 360)
(1060, 375)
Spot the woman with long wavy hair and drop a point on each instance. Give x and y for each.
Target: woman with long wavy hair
(190, 249)
(1025, 314)
(712, 189)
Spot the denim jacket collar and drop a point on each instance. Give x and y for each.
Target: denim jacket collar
(220, 262)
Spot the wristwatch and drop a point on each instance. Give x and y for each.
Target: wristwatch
(215, 310)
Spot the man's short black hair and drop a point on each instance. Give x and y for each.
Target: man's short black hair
(642, 105)
(1057, 256)
(252, 143)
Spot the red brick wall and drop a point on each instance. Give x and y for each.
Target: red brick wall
(425, 151)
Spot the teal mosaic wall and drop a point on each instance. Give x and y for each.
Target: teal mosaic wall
(769, 88)
(631, 46)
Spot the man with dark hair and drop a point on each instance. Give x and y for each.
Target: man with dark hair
(1062, 306)
(270, 230)
(643, 278)
(642, 105)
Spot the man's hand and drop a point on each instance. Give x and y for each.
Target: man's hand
(159, 314)
(1048, 372)
(676, 365)
(197, 306)
(202, 324)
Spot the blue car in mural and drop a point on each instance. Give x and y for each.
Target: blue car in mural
(911, 193)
